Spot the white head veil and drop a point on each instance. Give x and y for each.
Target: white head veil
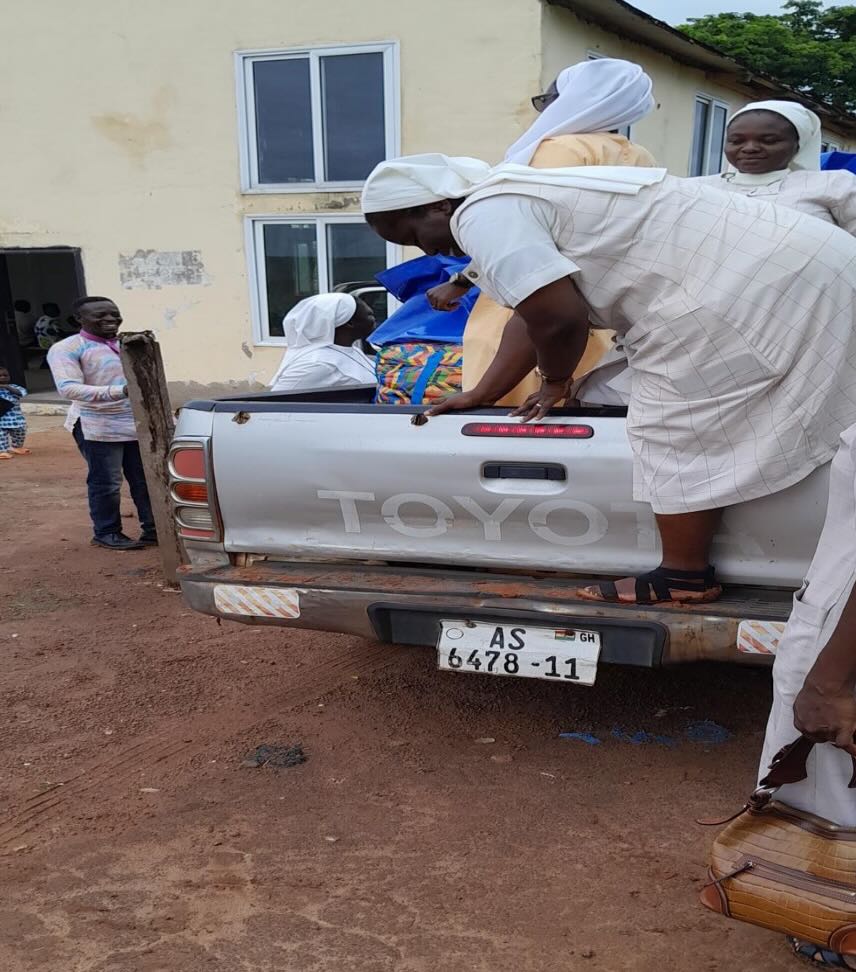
(312, 359)
(313, 321)
(417, 180)
(808, 128)
(600, 95)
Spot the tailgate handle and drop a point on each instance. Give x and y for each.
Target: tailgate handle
(525, 470)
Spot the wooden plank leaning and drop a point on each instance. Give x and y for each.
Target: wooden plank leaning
(147, 391)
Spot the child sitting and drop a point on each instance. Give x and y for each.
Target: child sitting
(13, 422)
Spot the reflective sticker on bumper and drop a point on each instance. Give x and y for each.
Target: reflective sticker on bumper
(759, 637)
(257, 602)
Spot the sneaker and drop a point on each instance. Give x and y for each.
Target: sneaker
(149, 538)
(116, 541)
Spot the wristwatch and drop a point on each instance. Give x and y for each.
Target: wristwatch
(459, 280)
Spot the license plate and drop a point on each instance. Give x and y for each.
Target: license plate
(556, 654)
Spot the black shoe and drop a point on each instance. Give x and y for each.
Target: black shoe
(117, 541)
(149, 538)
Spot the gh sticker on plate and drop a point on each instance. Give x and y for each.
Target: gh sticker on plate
(557, 654)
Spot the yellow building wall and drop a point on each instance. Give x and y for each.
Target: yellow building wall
(121, 135)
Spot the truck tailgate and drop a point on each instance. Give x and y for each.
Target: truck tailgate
(363, 482)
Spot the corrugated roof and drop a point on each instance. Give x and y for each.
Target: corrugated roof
(634, 24)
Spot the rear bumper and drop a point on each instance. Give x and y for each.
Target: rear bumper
(405, 606)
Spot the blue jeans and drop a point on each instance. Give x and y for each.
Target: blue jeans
(107, 461)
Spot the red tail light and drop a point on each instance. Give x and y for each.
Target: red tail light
(189, 463)
(523, 430)
(194, 501)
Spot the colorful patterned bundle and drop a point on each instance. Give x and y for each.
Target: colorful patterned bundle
(415, 374)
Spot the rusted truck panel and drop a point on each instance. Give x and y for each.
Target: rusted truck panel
(407, 605)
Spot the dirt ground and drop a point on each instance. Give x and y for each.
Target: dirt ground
(439, 825)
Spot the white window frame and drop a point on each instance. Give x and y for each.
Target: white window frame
(248, 144)
(831, 146)
(256, 271)
(625, 130)
(714, 103)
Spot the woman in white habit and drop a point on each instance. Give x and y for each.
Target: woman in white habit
(773, 153)
(737, 317)
(323, 334)
(814, 675)
(577, 124)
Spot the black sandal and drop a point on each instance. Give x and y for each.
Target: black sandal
(699, 584)
(818, 956)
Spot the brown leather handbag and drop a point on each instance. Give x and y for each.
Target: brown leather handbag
(784, 869)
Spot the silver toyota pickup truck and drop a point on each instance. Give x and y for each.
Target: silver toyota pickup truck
(467, 533)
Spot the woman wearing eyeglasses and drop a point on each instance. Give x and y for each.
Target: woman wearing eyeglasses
(580, 117)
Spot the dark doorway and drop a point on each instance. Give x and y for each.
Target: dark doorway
(37, 289)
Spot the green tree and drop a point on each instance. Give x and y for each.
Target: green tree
(807, 47)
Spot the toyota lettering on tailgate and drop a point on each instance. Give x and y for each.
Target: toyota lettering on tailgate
(436, 517)
(422, 516)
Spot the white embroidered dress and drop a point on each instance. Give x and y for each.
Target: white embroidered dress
(817, 610)
(737, 317)
(830, 196)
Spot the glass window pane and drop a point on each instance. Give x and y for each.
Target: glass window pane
(291, 268)
(355, 253)
(717, 140)
(283, 120)
(354, 130)
(700, 124)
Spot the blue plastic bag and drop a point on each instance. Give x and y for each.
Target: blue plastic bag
(838, 160)
(416, 321)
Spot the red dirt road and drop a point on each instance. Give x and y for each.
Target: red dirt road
(134, 841)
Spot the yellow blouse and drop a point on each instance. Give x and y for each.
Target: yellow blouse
(487, 321)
